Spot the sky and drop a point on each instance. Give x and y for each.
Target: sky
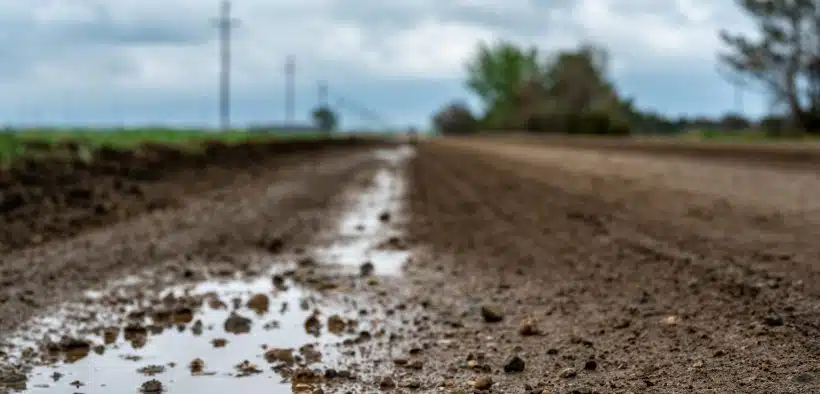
(134, 62)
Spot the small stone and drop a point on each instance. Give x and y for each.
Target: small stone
(514, 365)
(237, 324)
(568, 373)
(152, 386)
(384, 217)
(259, 303)
(387, 382)
(367, 269)
(491, 314)
(196, 366)
(282, 355)
(591, 365)
(773, 320)
(219, 342)
(483, 383)
(528, 328)
(336, 324)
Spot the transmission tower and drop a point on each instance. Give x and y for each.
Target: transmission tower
(225, 23)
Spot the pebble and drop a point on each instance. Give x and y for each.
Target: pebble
(387, 382)
(367, 269)
(483, 383)
(514, 364)
(151, 386)
(773, 320)
(237, 324)
(591, 365)
(528, 328)
(491, 314)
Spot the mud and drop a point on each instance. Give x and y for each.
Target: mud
(268, 316)
(467, 267)
(62, 191)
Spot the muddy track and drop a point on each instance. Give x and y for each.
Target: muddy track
(282, 204)
(630, 290)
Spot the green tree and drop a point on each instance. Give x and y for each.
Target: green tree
(325, 118)
(784, 57)
(497, 71)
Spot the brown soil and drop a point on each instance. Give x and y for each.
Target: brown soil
(63, 195)
(550, 277)
(537, 268)
(224, 204)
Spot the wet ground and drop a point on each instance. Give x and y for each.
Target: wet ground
(455, 265)
(270, 328)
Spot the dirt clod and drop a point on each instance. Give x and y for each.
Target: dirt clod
(237, 324)
(152, 386)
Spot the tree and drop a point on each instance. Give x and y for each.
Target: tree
(455, 118)
(325, 118)
(785, 59)
(497, 71)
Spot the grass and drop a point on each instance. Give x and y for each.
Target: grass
(13, 142)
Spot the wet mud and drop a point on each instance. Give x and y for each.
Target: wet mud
(281, 322)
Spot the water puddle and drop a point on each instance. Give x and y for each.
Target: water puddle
(274, 332)
(368, 232)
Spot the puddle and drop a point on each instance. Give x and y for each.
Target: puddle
(368, 231)
(239, 334)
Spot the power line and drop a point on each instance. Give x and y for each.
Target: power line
(225, 23)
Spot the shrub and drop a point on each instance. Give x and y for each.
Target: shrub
(455, 119)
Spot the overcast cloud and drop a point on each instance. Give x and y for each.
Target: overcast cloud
(141, 61)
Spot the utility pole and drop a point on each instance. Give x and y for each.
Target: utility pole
(225, 23)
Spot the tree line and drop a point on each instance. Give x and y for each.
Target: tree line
(570, 91)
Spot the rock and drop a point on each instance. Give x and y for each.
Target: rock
(236, 324)
(279, 282)
(312, 325)
(483, 383)
(259, 303)
(387, 382)
(528, 328)
(152, 386)
(336, 324)
(304, 375)
(219, 342)
(591, 365)
(367, 269)
(514, 365)
(197, 366)
(384, 217)
(773, 320)
(283, 355)
(491, 314)
(568, 373)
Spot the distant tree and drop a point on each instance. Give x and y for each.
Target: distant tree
(734, 122)
(496, 72)
(455, 119)
(784, 57)
(325, 118)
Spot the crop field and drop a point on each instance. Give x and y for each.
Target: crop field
(202, 262)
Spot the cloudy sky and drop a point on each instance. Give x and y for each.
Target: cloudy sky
(155, 61)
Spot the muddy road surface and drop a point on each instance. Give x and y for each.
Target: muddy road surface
(447, 265)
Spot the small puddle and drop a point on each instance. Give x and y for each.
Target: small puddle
(268, 333)
(368, 232)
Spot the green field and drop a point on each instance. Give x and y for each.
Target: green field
(13, 143)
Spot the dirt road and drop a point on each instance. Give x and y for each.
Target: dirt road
(640, 273)
(455, 266)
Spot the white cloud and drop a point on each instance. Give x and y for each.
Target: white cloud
(85, 54)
